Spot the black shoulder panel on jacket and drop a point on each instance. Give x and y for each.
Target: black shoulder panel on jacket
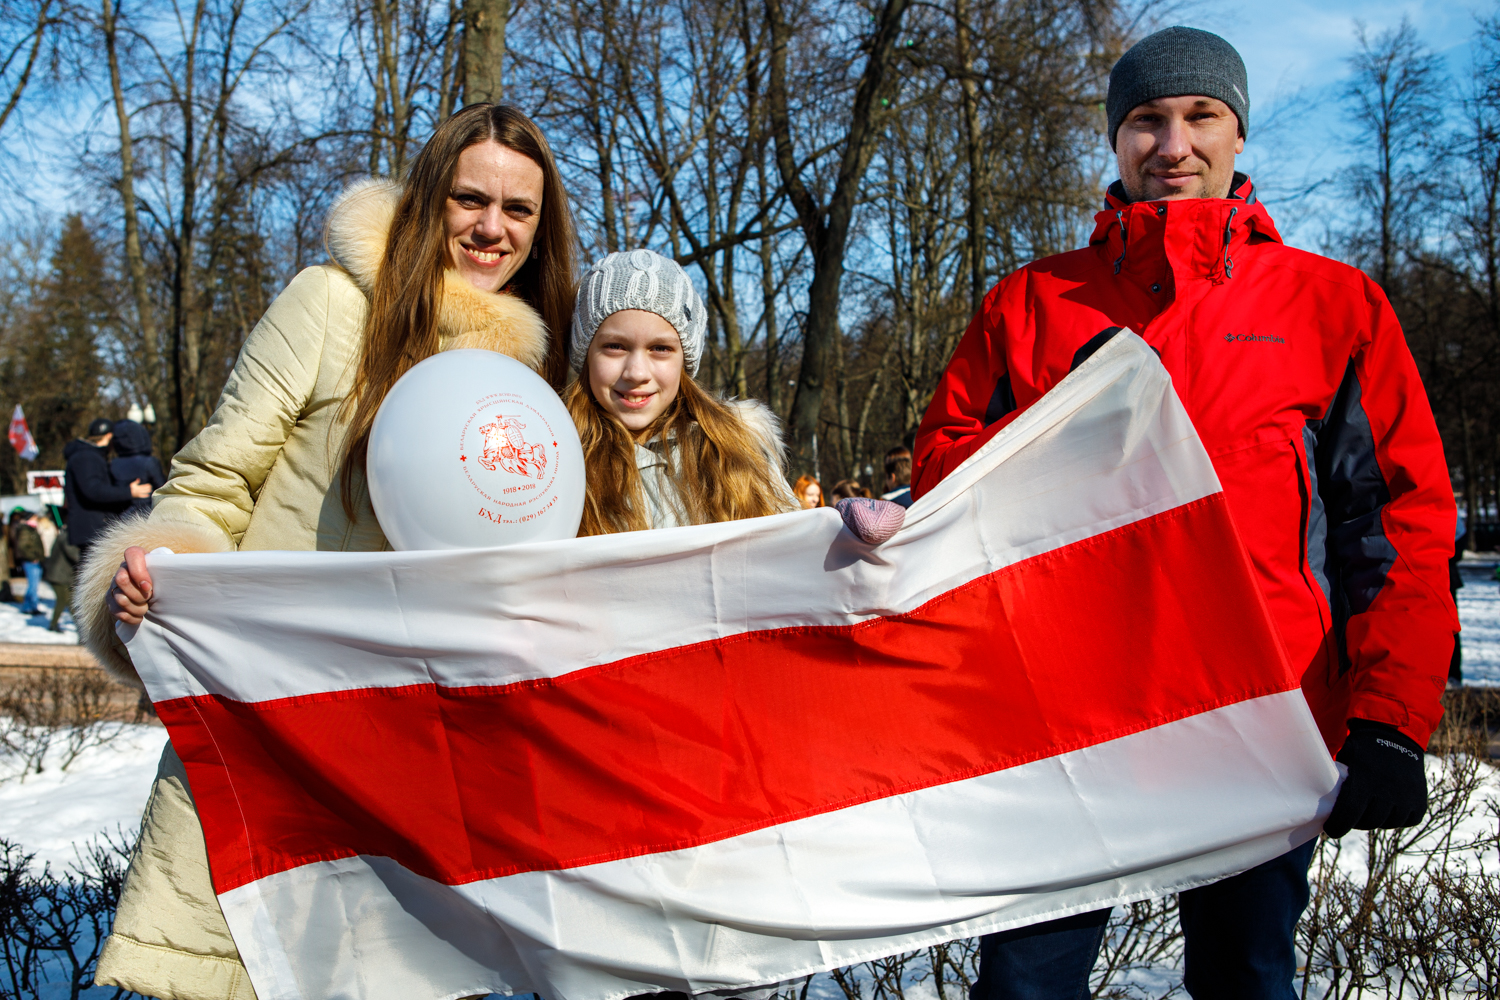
(1002, 401)
(1095, 342)
(1354, 493)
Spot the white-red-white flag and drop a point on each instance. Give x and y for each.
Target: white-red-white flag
(710, 757)
(20, 435)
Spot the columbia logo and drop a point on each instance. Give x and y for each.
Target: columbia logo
(1251, 338)
(1398, 747)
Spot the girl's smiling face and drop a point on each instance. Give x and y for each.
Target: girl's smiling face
(635, 367)
(492, 213)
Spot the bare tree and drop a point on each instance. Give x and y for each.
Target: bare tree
(826, 220)
(24, 28)
(1394, 94)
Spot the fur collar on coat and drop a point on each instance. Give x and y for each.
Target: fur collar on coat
(358, 226)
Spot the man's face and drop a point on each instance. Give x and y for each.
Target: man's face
(1178, 147)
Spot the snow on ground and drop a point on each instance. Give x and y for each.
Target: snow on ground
(16, 627)
(104, 790)
(1479, 614)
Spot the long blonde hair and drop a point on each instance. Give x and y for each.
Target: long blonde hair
(401, 328)
(720, 469)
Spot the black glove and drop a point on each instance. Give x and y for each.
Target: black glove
(1387, 785)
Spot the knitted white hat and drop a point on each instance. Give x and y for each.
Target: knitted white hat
(639, 279)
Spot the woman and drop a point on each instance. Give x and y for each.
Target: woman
(809, 492)
(476, 249)
(58, 570)
(659, 450)
(845, 488)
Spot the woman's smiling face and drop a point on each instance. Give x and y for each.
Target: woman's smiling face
(493, 208)
(635, 367)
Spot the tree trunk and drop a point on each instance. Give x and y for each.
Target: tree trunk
(187, 341)
(1470, 470)
(970, 91)
(768, 313)
(484, 49)
(135, 259)
(38, 34)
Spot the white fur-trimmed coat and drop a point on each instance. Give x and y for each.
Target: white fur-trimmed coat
(664, 507)
(263, 474)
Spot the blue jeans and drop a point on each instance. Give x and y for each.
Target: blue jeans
(33, 571)
(1238, 941)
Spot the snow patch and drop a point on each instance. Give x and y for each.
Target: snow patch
(104, 790)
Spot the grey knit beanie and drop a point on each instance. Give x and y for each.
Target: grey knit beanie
(639, 279)
(1177, 62)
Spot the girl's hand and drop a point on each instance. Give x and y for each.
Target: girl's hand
(131, 593)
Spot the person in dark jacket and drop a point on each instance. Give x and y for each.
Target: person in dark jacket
(1299, 382)
(93, 499)
(133, 461)
(30, 551)
(898, 476)
(58, 571)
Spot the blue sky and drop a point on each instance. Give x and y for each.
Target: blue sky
(1295, 54)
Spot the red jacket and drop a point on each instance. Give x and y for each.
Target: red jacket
(1296, 374)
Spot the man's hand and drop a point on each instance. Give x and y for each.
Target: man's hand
(1387, 785)
(131, 593)
(140, 490)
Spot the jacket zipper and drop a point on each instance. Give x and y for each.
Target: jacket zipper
(1120, 218)
(1228, 231)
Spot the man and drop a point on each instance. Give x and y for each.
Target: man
(93, 499)
(898, 476)
(1298, 379)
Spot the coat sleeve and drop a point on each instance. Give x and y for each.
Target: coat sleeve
(973, 401)
(1383, 481)
(216, 478)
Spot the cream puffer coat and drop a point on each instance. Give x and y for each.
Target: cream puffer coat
(264, 474)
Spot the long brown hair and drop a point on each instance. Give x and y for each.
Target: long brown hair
(719, 468)
(401, 328)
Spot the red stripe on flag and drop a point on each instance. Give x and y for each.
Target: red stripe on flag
(1151, 622)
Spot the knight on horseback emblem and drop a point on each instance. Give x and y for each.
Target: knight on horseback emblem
(505, 446)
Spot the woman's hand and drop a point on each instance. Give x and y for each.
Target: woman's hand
(131, 593)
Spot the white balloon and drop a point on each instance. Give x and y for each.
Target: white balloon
(472, 449)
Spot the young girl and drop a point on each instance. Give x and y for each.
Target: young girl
(659, 449)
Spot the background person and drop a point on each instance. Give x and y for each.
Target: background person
(898, 476)
(133, 461)
(475, 249)
(660, 450)
(1296, 375)
(92, 498)
(30, 551)
(58, 570)
(809, 492)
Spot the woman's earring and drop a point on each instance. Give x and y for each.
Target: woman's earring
(533, 251)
